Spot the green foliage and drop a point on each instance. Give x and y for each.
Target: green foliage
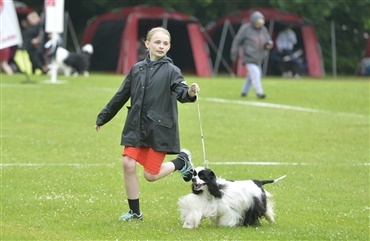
(61, 180)
(352, 14)
(351, 20)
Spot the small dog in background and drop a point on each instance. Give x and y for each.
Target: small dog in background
(226, 203)
(73, 63)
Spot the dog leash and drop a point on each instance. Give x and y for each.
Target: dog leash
(201, 135)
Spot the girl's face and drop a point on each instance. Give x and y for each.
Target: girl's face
(158, 45)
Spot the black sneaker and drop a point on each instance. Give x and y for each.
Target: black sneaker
(188, 169)
(261, 96)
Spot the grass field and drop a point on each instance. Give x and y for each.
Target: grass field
(61, 180)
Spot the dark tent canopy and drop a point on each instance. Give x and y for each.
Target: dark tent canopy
(115, 36)
(275, 22)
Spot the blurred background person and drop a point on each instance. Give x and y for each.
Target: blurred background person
(285, 42)
(33, 39)
(254, 39)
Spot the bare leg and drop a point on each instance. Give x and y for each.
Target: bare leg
(130, 178)
(166, 169)
(6, 67)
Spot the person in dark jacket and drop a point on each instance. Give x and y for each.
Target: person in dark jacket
(254, 38)
(151, 130)
(33, 41)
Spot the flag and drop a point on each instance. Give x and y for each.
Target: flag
(54, 16)
(10, 32)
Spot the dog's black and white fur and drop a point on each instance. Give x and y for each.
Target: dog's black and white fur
(74, 63)
(226, 203)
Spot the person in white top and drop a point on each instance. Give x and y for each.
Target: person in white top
(285, 42)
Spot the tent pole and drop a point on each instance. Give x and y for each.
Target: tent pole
(231, 30)
(221, 45)
(205, 35)
(322, 61)
(266, 59)
(65, 32)
(333, 49)
(165, 22)
(73, 35)
(214, 48)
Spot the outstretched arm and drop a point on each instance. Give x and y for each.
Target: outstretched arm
(193, 90)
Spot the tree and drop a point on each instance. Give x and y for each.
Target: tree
(351, 19)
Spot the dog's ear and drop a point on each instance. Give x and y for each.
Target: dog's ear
(213, 186)
(207, 175)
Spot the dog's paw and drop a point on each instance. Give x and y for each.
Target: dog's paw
(188, 225)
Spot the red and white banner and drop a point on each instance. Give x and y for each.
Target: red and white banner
(54, 16)
(10, 32)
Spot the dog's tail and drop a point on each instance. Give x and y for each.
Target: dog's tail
(271, 181)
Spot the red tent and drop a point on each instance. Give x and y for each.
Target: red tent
(275, 21)
(367, 48)
(115, 37)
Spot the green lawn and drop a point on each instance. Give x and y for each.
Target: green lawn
(61, 180)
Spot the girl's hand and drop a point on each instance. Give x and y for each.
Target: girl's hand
(193, 90)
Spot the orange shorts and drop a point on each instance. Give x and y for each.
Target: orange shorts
(150, 159)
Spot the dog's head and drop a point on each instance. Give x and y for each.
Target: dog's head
(88, 48)
(204, 179)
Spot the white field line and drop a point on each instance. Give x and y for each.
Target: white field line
(278, 106)
(82, 165)
(2, 85)
(282, 163)
(56, 164)
(261, 163)
(238, 102)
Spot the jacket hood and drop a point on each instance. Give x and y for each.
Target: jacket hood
(164, 59)
(255, 16)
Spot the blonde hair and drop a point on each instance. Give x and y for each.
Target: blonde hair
(155, 30)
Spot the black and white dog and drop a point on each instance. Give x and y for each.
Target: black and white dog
(226, 203)
(73, 63)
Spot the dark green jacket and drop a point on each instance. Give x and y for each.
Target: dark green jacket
(152, 119)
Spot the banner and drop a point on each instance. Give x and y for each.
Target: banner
(10, 32)
(54, 16)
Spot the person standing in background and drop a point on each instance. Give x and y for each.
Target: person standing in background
(254, 39)
(33, 36)
(285, 42)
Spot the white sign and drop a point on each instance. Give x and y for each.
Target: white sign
(54, 16)
(10, 33)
